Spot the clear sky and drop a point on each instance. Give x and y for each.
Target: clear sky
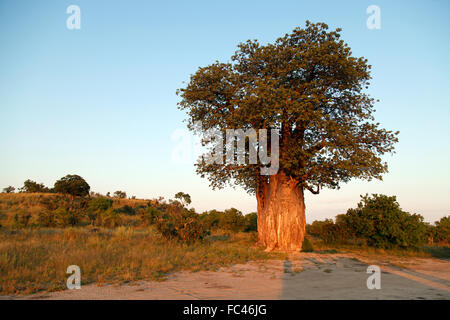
(100, 101)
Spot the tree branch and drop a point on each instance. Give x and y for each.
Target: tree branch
(310, 189)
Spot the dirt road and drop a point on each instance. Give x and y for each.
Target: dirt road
(301, 276)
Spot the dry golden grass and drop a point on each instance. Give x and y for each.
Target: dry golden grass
(32, 260)
(34, 203)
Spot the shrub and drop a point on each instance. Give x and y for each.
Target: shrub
(431, 233)
(211, 219)
(128, 210)
(149, 215)
(32, 186)
(443, 229)
(100, 204)
(182, 224)
(380, 220)
(111, 218)
(328, 231)
(251, 222)
(96, 207)
(307, 245)
(65, 217)
(377, 221)
(232, 220)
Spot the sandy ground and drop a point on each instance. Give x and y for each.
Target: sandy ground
(302, 276)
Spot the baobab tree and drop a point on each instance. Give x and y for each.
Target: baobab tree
(309, 87)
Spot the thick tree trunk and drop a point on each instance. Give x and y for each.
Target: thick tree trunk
(281, 213)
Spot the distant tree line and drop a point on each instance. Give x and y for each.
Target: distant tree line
(73, 185)
(377, 221)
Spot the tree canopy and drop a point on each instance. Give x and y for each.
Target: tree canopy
(309, 87)
(33, 186)
(120, 194)
(9, 189)
(183, 197)
(73, 185)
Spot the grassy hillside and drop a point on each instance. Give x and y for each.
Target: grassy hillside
(34, 258)
(12, 204)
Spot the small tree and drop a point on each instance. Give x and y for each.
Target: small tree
(443, 229)
(32, 186)
(9, 189)
(184, 198)
(120, 194)
(73, 185)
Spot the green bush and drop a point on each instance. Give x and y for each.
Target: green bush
(65, 217)
(380, 221)
(111, 218)
(211, 219)
(96, 207)
(181, 224)
(377, 221)
(232, 220)
(149, 215)
(307, 245)
(251, 222)
(100, 204)
(128, 210)
(443, 229)
(328, 231)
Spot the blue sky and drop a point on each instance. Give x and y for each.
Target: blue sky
(100, 101)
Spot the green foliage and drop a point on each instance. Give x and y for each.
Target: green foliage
(9, 189)
(211, 219)
(65, 217)
(378, 220)
(32, 186)
(111, 218)
(308, 85)
(328, 231)
(181, 224)
(443, 229)
(120, 194)
(73, 185)
(184, 198)
(96, 207)
(149, 215)
(128, 210)
(100, 204)
(251, 222)
(307, 245)
(232, 220)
